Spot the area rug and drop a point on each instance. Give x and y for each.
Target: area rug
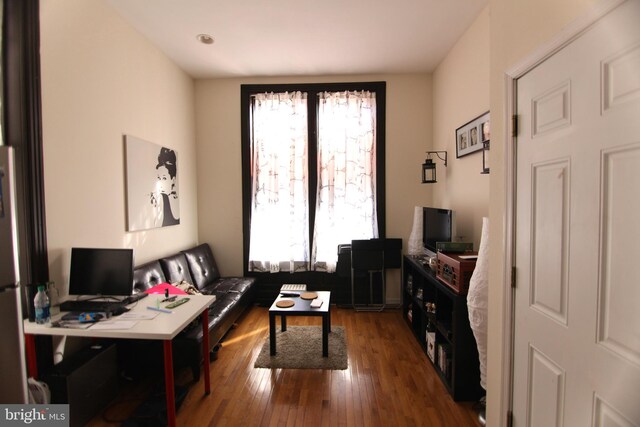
(300, 347)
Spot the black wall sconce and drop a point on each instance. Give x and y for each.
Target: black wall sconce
(429, 167)
(485, 156)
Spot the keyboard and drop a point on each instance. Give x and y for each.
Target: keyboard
(293, 287)
(135, 297)
(91, 306)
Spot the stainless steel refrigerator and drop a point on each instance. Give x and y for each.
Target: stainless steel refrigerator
(13, 373)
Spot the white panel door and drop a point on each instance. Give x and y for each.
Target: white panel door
(577, 303)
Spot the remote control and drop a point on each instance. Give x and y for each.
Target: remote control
(316, 303)
(290, 294)
(177, 303)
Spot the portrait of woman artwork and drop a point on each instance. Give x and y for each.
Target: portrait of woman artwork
(152, 185)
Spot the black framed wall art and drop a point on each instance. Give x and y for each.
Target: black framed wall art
(471, 135)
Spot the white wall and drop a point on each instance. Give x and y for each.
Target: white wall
(408, 136)
(101, 80)
(518, 28)
(460, 94)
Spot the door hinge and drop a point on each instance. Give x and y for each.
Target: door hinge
(514, 125)
(510, 419)
(513, 277)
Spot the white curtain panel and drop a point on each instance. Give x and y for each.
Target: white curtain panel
(279, 210)
(478, 301)
(346, 193)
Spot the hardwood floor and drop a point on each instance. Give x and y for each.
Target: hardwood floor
(389, 382)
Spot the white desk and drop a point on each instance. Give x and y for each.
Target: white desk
(164, 327)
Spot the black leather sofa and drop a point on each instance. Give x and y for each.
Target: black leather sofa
(197, 266)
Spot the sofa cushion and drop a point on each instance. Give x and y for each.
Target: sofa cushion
(176, 268)
(217, 312)
(147, 276)
(229, 284)
(198, 267)
(202, 265)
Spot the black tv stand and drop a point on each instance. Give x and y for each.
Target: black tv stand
(437, 314)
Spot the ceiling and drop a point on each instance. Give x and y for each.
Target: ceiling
(302, 37)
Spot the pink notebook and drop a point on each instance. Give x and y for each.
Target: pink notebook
(159, 289)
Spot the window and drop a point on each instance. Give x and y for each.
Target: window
(279, 226)
(313, 172)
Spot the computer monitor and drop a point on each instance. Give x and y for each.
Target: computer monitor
(101, 271)
(438, 226)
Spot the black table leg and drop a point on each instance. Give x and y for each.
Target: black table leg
(283, 323)
(272, 334)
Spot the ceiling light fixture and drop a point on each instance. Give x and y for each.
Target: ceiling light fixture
(205, 38)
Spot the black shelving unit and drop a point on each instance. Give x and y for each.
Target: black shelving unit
(431, 308)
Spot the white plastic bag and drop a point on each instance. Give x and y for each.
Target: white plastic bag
(38, 392)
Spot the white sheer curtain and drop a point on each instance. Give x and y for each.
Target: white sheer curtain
(346, 194)
(279, 211)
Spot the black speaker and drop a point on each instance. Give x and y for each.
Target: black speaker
(87, 381)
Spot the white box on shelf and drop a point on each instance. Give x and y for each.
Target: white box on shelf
(431, 345)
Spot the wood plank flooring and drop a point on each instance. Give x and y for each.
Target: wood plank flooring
(389, 382)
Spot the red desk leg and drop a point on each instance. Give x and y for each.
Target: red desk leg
(30, 348)
(205, 350)
(168, 382)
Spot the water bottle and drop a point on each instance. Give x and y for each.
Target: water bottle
(41, 304)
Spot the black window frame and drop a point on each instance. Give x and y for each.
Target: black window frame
(312, 90)
(22, 130)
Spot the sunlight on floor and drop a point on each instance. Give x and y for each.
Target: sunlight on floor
(235, 340)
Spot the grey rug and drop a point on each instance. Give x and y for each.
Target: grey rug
(300, 347)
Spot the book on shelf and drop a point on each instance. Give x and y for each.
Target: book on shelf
(431, 345)
(444, 359)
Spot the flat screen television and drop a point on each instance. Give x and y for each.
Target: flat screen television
(437, 226)
(101, 272)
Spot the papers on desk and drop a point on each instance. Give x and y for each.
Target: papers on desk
(113, 324)
(71, 324)
(124, 321)
(138, 316)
